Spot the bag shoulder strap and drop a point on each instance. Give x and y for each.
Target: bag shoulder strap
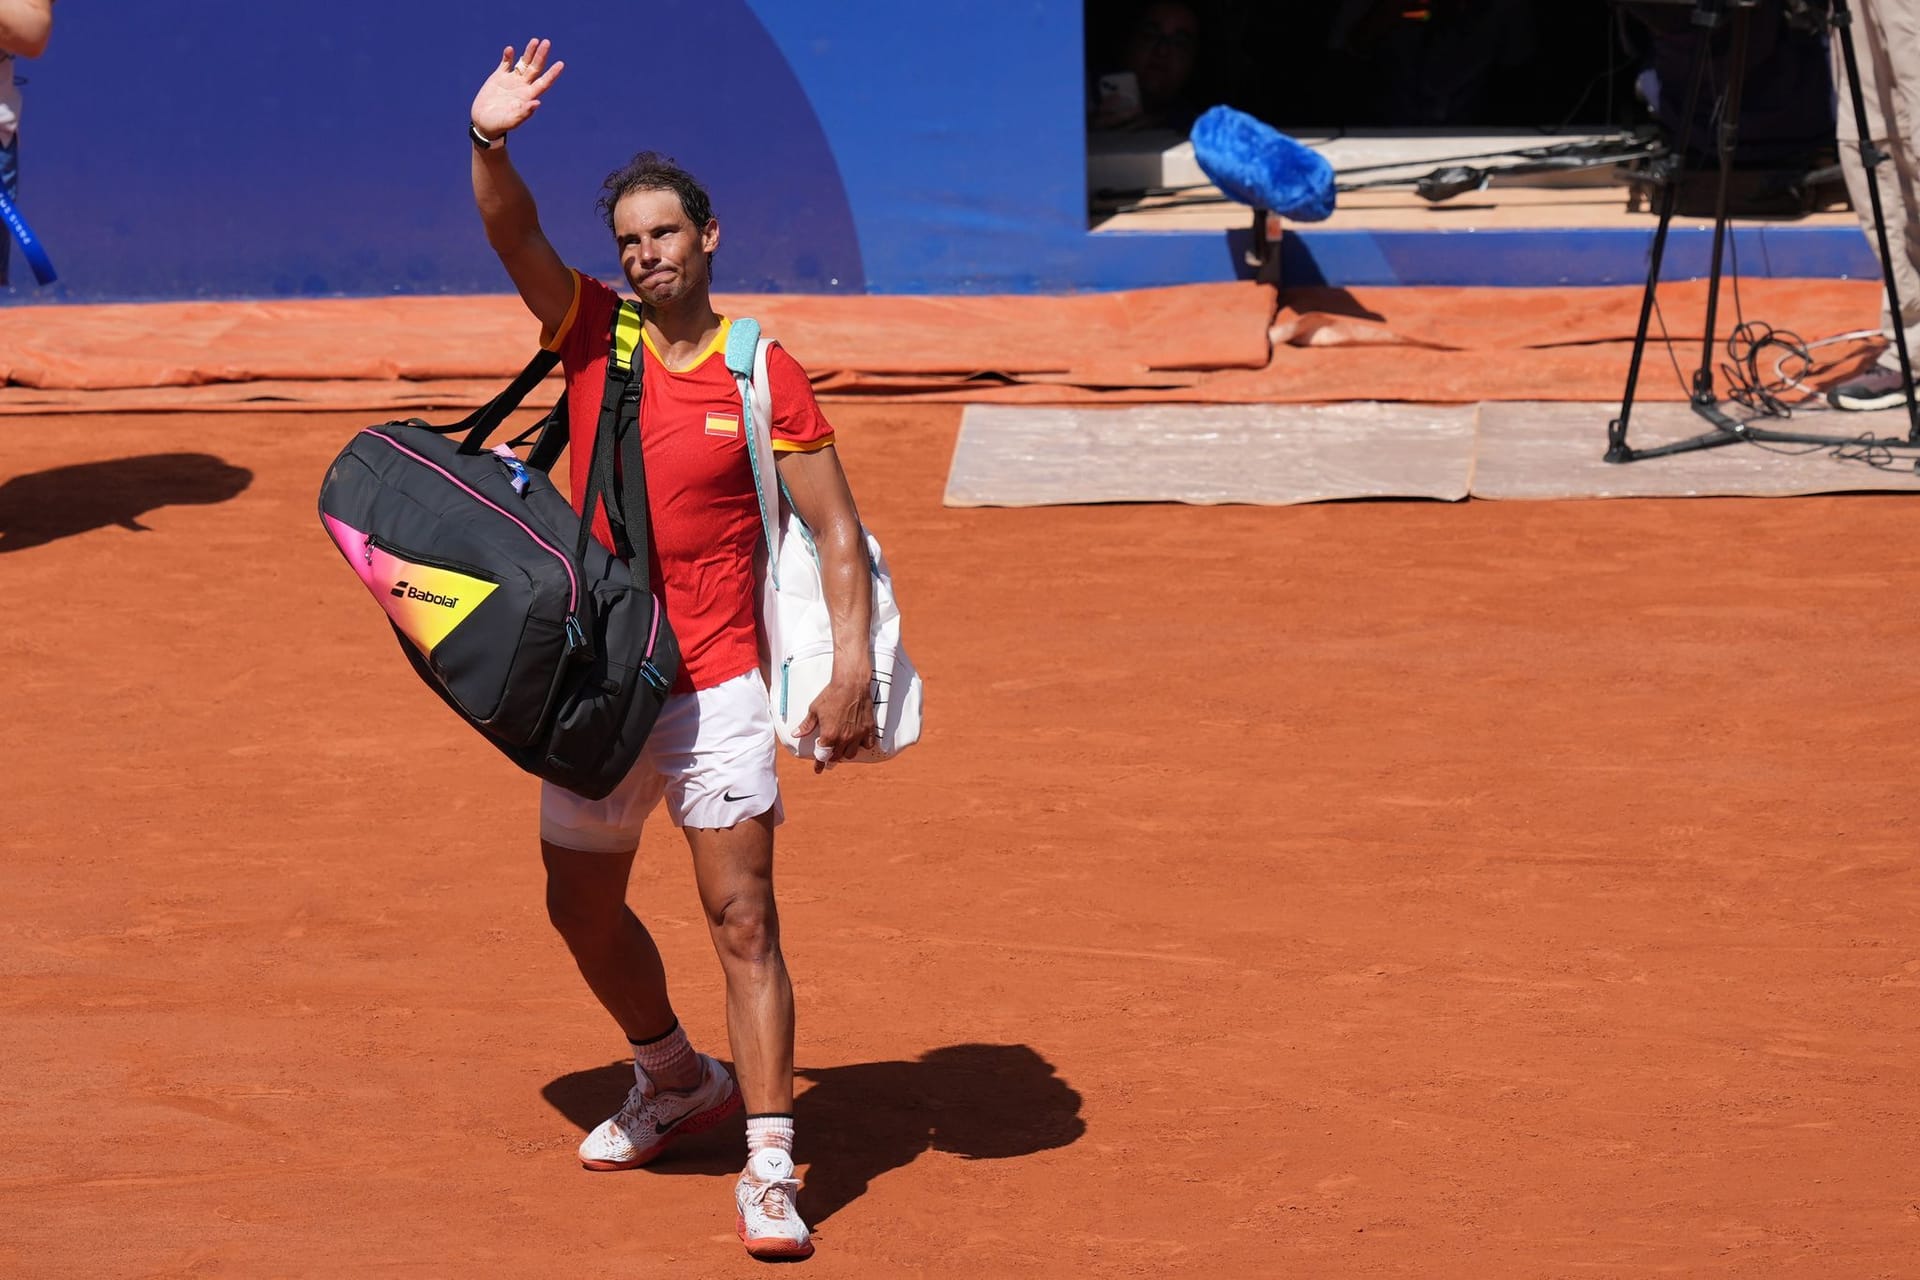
(620, 489)
(747, 361)
(747, 351)
(763, 393)
(743, 341)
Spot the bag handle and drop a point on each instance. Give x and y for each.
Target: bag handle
(549, 435)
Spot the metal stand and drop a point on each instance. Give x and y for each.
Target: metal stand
(1726, 429)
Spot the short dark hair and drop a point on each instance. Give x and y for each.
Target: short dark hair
(651, 171)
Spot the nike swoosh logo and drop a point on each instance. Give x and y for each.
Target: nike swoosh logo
(731, 798)
(664, 1127)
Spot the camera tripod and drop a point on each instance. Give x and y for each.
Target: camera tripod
(1703, 399)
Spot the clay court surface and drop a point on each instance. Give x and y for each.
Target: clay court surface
(1384, 889)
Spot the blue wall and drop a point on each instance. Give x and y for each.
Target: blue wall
(244, 148)
(238, 147)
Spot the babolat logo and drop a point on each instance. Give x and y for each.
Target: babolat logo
(407, 592)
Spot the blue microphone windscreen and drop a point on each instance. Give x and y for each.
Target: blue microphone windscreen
(1257, 164)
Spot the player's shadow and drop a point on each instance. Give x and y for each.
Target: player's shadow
(977, 1101)
(44, 506)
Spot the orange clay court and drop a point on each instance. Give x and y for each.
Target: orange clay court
(1488, 889)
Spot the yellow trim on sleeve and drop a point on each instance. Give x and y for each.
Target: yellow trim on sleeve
(566, 321)
(719, 343)
(803, 446)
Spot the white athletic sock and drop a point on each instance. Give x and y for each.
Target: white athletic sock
(665, 1057)
(770, 1130)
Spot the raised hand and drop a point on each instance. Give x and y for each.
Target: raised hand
(512, 93)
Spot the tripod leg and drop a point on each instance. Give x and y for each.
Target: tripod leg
(1617, 450)
(1729, 131)
(1870, 157)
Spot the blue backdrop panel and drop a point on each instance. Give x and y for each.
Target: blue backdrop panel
(959, 128)
(223, 148)
(233, 148)
(229, 147)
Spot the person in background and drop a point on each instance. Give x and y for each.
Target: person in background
(1886, 37)
(24, 28)
(1155, 87)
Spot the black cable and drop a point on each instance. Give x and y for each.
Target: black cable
(1748, 343)
(1592, 153)
(1679, 375)
(1433, 186)
(1747, 386)
(1758, 392)
(1874, 453)
(1609, 75)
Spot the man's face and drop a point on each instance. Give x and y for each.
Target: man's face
(1162, 53)
(662, 254)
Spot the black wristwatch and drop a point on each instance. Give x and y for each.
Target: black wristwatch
(481, 142)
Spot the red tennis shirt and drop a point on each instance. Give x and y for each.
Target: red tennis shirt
(706, 520)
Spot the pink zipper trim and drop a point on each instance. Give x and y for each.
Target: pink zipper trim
(573, 583)
(653, 632)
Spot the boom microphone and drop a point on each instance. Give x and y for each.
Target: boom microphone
(1258, 165)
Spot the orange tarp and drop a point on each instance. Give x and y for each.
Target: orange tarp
(1213, 326)
(1219, 343)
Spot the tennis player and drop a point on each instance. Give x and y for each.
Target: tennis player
(711, 757)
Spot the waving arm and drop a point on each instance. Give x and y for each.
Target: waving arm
(25, 25)
(506, 101)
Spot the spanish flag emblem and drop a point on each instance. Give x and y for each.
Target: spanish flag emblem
(723, 424)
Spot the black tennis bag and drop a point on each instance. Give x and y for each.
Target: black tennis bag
(554, 648)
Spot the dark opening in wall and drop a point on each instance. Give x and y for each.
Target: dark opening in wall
(1363, 64)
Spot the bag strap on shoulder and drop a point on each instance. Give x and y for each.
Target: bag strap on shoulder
(747, 361)
(619, 488)
(743, 339)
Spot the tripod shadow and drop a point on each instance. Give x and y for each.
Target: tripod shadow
(978, 1101)
(1327, 300)
(44, 506)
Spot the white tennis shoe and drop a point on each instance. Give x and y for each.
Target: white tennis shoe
(768, 1223)
(648, 1121)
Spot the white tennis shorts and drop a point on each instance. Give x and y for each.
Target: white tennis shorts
(710, 754)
